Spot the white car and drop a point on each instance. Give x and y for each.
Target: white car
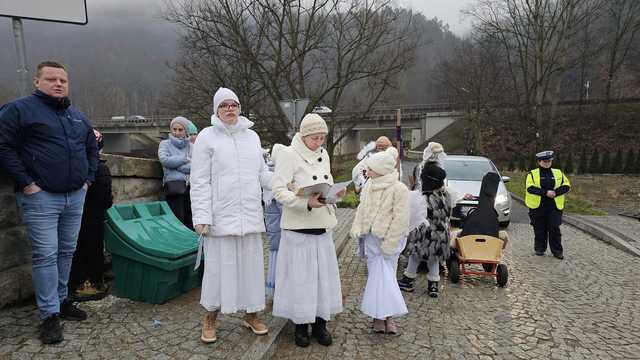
(464, 175)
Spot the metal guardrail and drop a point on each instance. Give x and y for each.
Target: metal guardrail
(377, 113)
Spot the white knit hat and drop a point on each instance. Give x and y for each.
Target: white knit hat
(180, 120)
(221, 95)
(382, 162)
(313, 124)
(393, 151)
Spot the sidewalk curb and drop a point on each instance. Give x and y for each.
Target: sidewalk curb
(594, 230)
(263, 347)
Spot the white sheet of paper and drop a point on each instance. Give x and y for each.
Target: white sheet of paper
(332, 197)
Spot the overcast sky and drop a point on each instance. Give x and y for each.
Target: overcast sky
(446, 10)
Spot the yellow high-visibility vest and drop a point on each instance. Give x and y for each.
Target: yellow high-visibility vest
(533, 179)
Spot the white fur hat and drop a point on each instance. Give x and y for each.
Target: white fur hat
(433, 152)
(382, 163)
(313, 124)
(221, 95)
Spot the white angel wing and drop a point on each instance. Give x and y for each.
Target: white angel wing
(366, 149)
(417, 210)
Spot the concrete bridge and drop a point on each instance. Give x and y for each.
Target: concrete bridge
(419, 124)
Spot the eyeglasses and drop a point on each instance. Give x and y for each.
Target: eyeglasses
(546, 160)
(230, 106)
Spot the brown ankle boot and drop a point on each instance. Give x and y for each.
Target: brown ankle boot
(252, 322)
(209, 327)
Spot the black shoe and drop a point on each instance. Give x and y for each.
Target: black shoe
(320, 332)
(302, 335)
(51, 330)
(558, 256)
(432, 287)
(70, 312)
(406, 284)
(540, 253)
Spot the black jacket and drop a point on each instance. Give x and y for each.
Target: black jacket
(46, 140)
(99, 197)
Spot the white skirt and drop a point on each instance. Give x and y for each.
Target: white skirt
(233, 274)
(382, 297)
(307, 278)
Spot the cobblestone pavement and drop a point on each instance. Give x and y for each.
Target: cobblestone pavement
(125, 329)
(584, 307)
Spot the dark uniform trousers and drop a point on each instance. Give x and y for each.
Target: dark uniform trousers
(546, 221)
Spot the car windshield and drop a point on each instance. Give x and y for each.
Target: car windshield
(466, 170)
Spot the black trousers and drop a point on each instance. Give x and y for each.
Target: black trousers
(181, 207)
(546, 223)
(88, 260)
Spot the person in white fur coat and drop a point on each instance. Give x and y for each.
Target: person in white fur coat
(227, 171)
(381, 223)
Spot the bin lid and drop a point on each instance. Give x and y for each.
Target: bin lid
(152, 229)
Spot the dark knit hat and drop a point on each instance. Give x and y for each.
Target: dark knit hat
(432, 177)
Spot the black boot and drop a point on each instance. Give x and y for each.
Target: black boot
(406, 284)
(432, 287)
(302, 335)
(51, 330)
(320, 332)
(68, 311)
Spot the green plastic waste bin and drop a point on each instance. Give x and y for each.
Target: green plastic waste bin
(153, 253)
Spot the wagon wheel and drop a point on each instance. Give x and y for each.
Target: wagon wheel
(454, 270)
(502, 275)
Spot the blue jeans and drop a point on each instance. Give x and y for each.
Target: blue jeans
(53, 223)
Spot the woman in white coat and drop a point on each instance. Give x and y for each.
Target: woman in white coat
(307, 278)
(227, 171)
(381, 224)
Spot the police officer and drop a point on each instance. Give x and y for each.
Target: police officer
(546, 189)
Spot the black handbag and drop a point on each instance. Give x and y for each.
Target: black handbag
(175, 187)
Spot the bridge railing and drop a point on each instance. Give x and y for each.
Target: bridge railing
(378, 113)
(141, 121)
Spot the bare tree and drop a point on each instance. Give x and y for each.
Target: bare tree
(623, 25)
(536, 35)
(343, 53)
(475, 76)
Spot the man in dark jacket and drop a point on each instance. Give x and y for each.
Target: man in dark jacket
(48, 147)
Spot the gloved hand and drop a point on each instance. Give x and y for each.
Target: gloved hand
(201, 229)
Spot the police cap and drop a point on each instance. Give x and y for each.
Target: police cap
(544, 155)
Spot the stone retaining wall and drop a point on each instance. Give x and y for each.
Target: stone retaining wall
(134, 180)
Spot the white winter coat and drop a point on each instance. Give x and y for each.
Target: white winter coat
(298, 165)
(227, 172)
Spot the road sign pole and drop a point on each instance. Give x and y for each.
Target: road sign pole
(21, 55)
(399, 132)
